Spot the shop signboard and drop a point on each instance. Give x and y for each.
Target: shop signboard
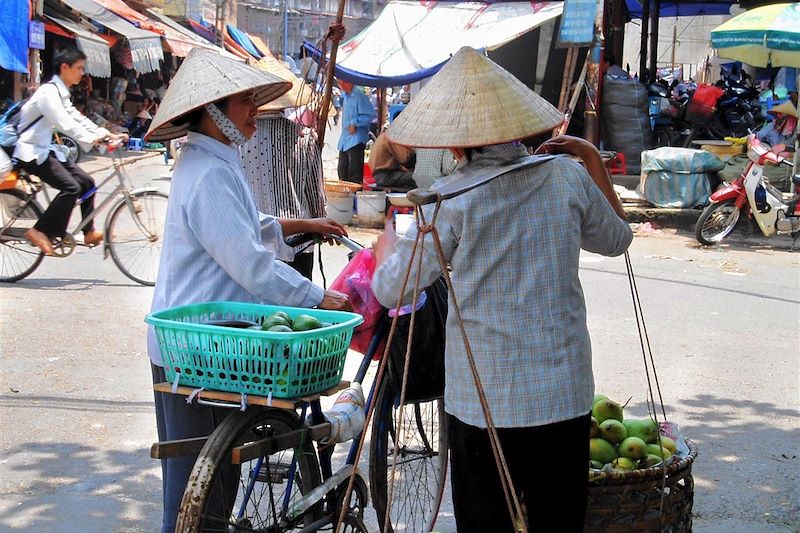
(36, 35)
(577, 23)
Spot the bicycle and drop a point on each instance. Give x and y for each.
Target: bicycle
(133, 229)
(285, 484)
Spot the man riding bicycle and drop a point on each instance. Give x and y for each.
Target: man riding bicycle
(51, 107)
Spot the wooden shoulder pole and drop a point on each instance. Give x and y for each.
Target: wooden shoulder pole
(326, 99)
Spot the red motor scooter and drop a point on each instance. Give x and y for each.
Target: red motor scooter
(752, 195)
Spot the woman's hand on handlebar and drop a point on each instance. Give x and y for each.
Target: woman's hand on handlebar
(335, 301)
(319, 226)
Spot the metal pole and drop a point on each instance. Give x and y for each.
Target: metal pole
(643, 47)
(674, 42)
(326, 99)
(654, 19)
(285, 47)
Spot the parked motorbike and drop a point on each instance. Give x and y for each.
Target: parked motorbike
(752, 195)
(734, 113)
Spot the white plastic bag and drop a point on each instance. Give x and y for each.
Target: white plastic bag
(346, 416)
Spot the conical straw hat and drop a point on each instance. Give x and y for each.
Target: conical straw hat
(206, 77)
(472, 102)
(300, 93)
(787, 108)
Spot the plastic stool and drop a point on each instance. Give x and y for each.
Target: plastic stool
(368, 183)
(135, 143)
(617, 165)
(396, 209)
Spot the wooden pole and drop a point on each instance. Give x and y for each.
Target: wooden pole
(591, 123)
(569, 73)
(381, 108)
(326, 99)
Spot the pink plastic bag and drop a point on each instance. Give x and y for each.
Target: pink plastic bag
(355, 281)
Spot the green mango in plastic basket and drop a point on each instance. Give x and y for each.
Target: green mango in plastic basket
(275, 320)
(305, 323)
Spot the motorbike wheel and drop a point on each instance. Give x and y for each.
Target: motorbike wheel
(716, 222)
(663, 136)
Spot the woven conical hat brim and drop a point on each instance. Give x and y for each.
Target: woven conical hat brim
(472, 101)
(206, 77)
(787, 108)
(300, 93)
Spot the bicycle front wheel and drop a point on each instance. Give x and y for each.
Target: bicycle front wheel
(221, 496)
(421, 466)
(135, 233)
(18, 257)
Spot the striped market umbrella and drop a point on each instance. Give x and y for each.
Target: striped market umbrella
(762, 36)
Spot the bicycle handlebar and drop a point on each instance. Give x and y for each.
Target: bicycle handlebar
(303, 238)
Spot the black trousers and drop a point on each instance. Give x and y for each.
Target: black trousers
(72, 182)
(401, 180)
(304, 264)
(351, 164)
(549, 467)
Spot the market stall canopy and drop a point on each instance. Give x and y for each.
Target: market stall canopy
(196, 39)
(98, 55)
(412, 40)
(762, 36)
(145, 46)
(300, 94)
(683, 9)
(14, 35)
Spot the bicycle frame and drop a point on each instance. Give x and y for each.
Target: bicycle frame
(122, 188)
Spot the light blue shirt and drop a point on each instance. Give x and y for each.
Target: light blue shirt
(217, 246)
(514, 245)
(357, 111)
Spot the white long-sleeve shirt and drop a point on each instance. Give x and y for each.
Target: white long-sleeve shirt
(217, 246)
(52, 102)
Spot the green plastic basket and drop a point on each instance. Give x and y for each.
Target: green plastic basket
(250, 361)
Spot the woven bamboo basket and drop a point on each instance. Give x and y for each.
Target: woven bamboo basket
(631, 502)
(344, 187)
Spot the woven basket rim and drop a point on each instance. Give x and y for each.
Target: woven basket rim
(647, 474)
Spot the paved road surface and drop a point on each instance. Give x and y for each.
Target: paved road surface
(76, 413)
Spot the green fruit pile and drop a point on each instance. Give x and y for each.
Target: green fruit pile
(281, 322)
(621, 444)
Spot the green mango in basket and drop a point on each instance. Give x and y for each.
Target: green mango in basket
(281, 328)
(284, 315)
(274, 320)
(305, 323)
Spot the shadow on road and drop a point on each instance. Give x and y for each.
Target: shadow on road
(62, 403)
(67, 284)
(748, 457)
(66, 486)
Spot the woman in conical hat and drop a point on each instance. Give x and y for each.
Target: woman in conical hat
(283, 162)
(513, 244)
(217, 246)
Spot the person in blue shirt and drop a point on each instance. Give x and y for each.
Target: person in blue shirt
(357, 114)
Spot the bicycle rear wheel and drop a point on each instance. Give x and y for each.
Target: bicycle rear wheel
(221, 496)
(134, 235)
(18, 257)
(421, 469)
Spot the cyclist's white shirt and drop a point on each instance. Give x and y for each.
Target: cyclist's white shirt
(217, 246)
(52, 102)
(514, 245)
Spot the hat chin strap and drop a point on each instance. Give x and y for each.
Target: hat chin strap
(228, 128)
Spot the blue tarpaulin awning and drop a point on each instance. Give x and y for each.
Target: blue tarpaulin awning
(244, 41)
(14, 35)
(369, 80)
(682, 9)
